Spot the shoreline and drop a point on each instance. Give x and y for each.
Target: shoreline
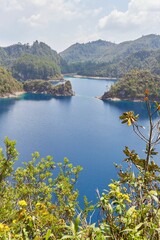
(119, 99)
(13, 95)
(90, 77)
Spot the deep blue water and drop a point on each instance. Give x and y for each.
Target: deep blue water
(84, 129)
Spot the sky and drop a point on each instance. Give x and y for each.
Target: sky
(61, 23)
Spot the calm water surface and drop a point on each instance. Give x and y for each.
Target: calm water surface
(84, 129)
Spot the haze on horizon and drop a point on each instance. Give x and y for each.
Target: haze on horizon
(61, 23)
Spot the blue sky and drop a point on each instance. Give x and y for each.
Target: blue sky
(61, 23)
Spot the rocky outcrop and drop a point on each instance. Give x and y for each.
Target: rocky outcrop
(46, 87)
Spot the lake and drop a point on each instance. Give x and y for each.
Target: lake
(82, 128)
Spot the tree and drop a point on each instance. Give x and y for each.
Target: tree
(34, 205)
(131, 206)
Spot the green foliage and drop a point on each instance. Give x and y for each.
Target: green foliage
(46, 87)
(33, 67)
(113, 60)
(130, 207)
(85, 52)
(26, 208)
(31, 62)
(133, 85)
(8, 84)
(97, 58)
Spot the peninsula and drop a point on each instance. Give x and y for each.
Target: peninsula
(132, 86)
(10, 87)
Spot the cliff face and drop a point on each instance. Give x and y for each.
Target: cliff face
(64, 89)
(46, 87)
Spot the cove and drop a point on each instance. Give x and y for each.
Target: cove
(82, 128)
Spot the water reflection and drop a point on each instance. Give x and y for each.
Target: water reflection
(136, 107)
(6, 104)
(41, 97)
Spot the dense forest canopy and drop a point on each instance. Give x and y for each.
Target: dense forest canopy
(8, 84)
(31, 62)
(133, 85)
(33, 67)
(97, 58)
(101, 58)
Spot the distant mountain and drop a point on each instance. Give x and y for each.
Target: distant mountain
(35, 61)
(86, 52)
(97, 58)
(101, 58)
(125, 49)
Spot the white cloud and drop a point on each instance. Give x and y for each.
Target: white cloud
(33, 20)
(142, 16)
(10, 5)
(142, 5)
(49, 11)
(61, 23)
(56, 22)
(38, 2)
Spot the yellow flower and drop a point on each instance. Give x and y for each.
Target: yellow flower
(119, 194)
(112, 186)
(3, 228)
(40, 205)
(22, 203)
(126, 197)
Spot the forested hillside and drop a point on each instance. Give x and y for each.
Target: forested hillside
(31, 62)
(113, 60)
(8, 85)
(133, 85)
(97, 58)
(85, 52)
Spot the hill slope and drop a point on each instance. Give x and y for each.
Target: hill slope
(86, 52)
(133, 85)
(38, 59)
(102, 58)
(8, 85)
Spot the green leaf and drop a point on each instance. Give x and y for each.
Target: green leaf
(139, 226)
(48, 234)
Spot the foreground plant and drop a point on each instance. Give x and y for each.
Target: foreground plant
(131, 207)
(35, 204)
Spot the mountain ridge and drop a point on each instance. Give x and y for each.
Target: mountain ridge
(98, 58)
(113, 60)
